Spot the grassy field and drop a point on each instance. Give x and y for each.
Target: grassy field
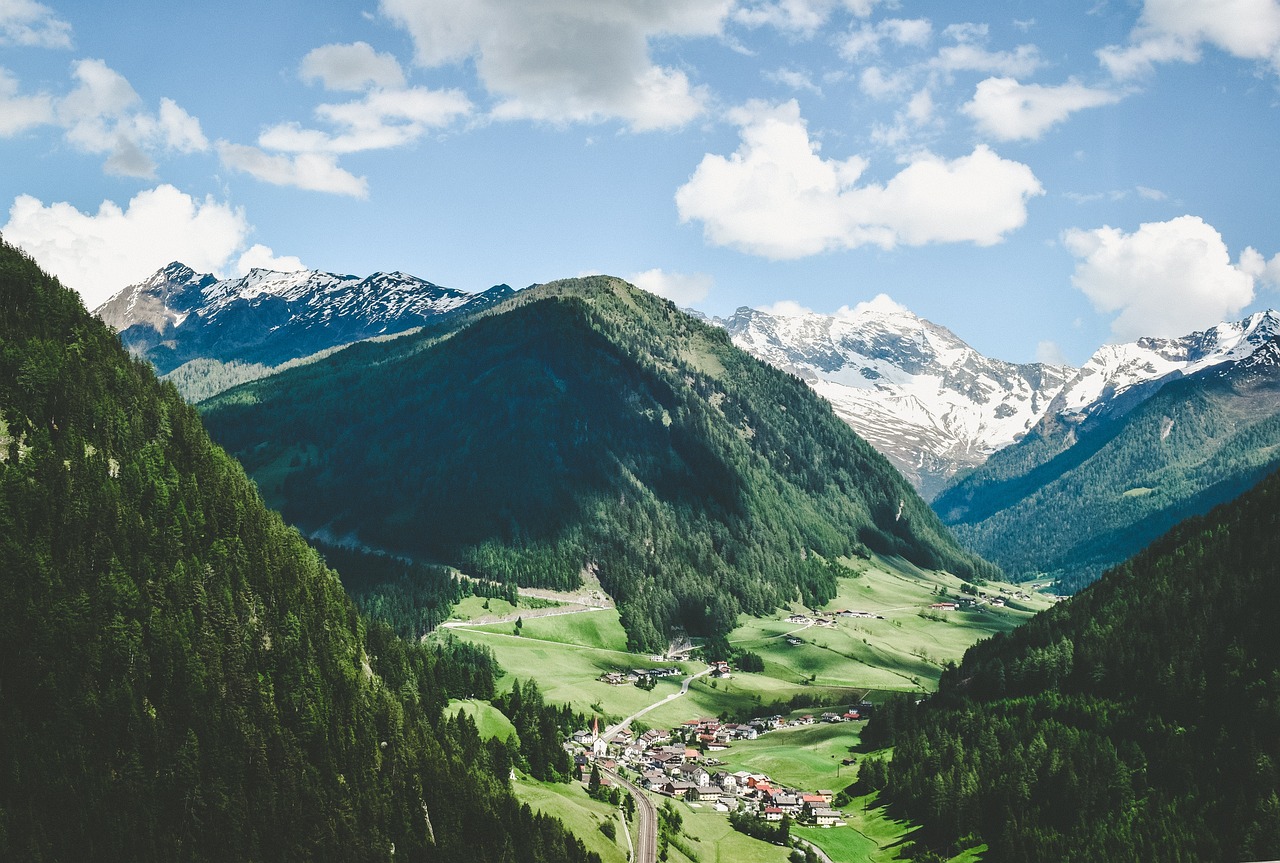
(600, 629)
(905, 650)
(489, 720)
(582, 815)
(858, 657)
(807, 757)
(708, 835)
(472, 607)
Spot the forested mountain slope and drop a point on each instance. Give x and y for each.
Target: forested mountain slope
(1074, 497)
(580, 424)
(183, 679)
(1135, 722)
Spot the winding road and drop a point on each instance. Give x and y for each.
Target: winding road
(612, 731)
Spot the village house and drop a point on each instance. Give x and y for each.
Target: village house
(826, 817)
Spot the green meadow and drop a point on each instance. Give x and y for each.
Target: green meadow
(489, 720)
(582, 815)
(807, 757)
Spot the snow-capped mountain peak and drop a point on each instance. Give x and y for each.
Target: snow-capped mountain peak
(921, 395)
(1119, 376)
(176, 315)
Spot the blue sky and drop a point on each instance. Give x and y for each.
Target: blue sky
(1039, 177)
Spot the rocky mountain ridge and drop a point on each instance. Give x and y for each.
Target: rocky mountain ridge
(177, 315)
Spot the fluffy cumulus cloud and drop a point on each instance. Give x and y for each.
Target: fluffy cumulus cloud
(970, 54)
(1175, 31)
(777, 197)
(19, 113)
(351, 67)
(316, 172)
(568, 60)
(99, 253)
(388, 115)
(262, 257)
(867, 39)
(1164, 279)
(683, 289)
(104, 115)
(31, 24)
(1010, 111)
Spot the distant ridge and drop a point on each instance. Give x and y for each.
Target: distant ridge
(928, 401)
(1146, 434)
(177, 315)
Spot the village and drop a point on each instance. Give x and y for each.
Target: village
(681, 762)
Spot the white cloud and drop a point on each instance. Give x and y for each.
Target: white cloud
(1175, 30)
(388, 115)
(351, 67)
(317, 172)
(1266, 272)
(794, 79)
(800, 16)
(786, 309)
(99, 253)
(880, 303)
(31, 24)
(381, 120)
(1009, 111)
(1165, 279)
(259, 256)
(778, 198)
(567, 60)
(1050, 353)
(969, 57)
(19, 113)
(104, 115)
(682, 289)
(867, 38)
(875, 83)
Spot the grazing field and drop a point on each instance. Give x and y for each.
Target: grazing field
(472, 607)
(601, 629)
(489, 720)
(707, 833)
(904, 650)
(582, 815)
(807, 757)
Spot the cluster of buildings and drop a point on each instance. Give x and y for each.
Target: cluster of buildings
(635, 675)
(680, 763)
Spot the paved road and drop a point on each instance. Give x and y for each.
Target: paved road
(612, 731)
(647, 829)
(822, 855)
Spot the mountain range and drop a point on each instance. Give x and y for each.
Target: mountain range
(927, 400)
(585, 425)
(177, 315)
(1146, 434)
(997, 446)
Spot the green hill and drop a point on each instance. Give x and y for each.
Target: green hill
(1136, 721)
(183, 679)
(585, 424)
(1069, 504)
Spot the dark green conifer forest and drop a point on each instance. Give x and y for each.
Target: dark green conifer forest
(183, 678)
(1137, 721)
(585, 424)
